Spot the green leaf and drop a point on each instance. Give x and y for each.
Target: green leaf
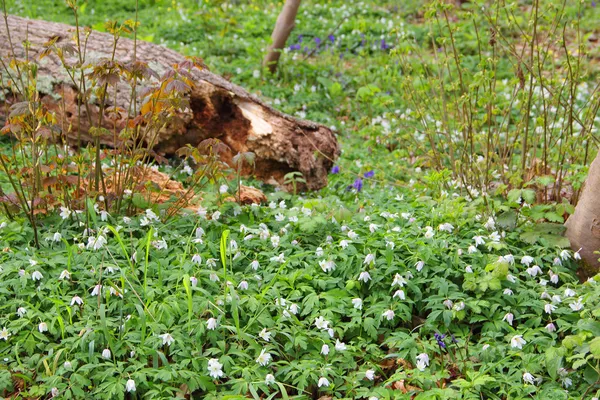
(595, 347)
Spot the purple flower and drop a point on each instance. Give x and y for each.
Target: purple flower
(369, 174)
(295, 47)
(335, 169)
(318, 41)
(358, 184)
(440, 340)
(331, 38)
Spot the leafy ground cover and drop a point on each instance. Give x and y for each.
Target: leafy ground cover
(396, 281)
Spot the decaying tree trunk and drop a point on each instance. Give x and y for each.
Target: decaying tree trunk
(219, 109)
(583, 227)
(283, 27)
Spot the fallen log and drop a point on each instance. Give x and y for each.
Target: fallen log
(217, 108)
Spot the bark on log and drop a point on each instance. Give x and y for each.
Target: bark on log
(583, 226)
(219, 109)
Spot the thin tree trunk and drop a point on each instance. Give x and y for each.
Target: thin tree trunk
(283, 28)
(217, 108)
(583, 227)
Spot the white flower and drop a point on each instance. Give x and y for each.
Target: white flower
(468, 269)
(485, 347)
(130, 385)
(194, 281)
(106, 353)
(43, 327)
(269, 379)
(160, 244)
(344, 244)
(4, 334)
(576, 255)
(21, 311)
(76, 300)
(423, 358)
(263, 358)
(528, 378)
(357, 303)
(557, 261)
(549, 308)
(254, 265)
(373, 228)
(526, 260)
(321, 323)
(215, 368)
(265, 335)
(293, 308)
(369, 259)
(448, 303)
(67, 365)
(327, 266)
(565, 255)
(472, 249)
(57, 237)
(511, 278)
(275, 240)
(96, 242)
(509, 258)
(459, 306)
(216, 215)
(370, 374)
(243, 285)
(490, 224)
(36, 276)
(551, 327)
(211, 324)
(64, 275)
(533, 271)
(364, 276)
(508, 292)
(196, 259)
(555, 299)
(554, 278)
(97, 290)
(167, 339)
(323, 382)
(429, 233)
(352, 235)
(419, 265)
(577, 306)
(388, 314)
(517, 341)
(399, 293)
(325, 349)
(478, 240)
(398, 281)
(280, 258)
(446, 227)
(65, 212)
(569, 292)
(340, 346)
(508, 317)
(494, 236)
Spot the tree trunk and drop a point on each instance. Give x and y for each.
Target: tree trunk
(217, 108)
(583, 227)
(283, 27)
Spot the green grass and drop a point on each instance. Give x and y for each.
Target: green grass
(418, 236)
